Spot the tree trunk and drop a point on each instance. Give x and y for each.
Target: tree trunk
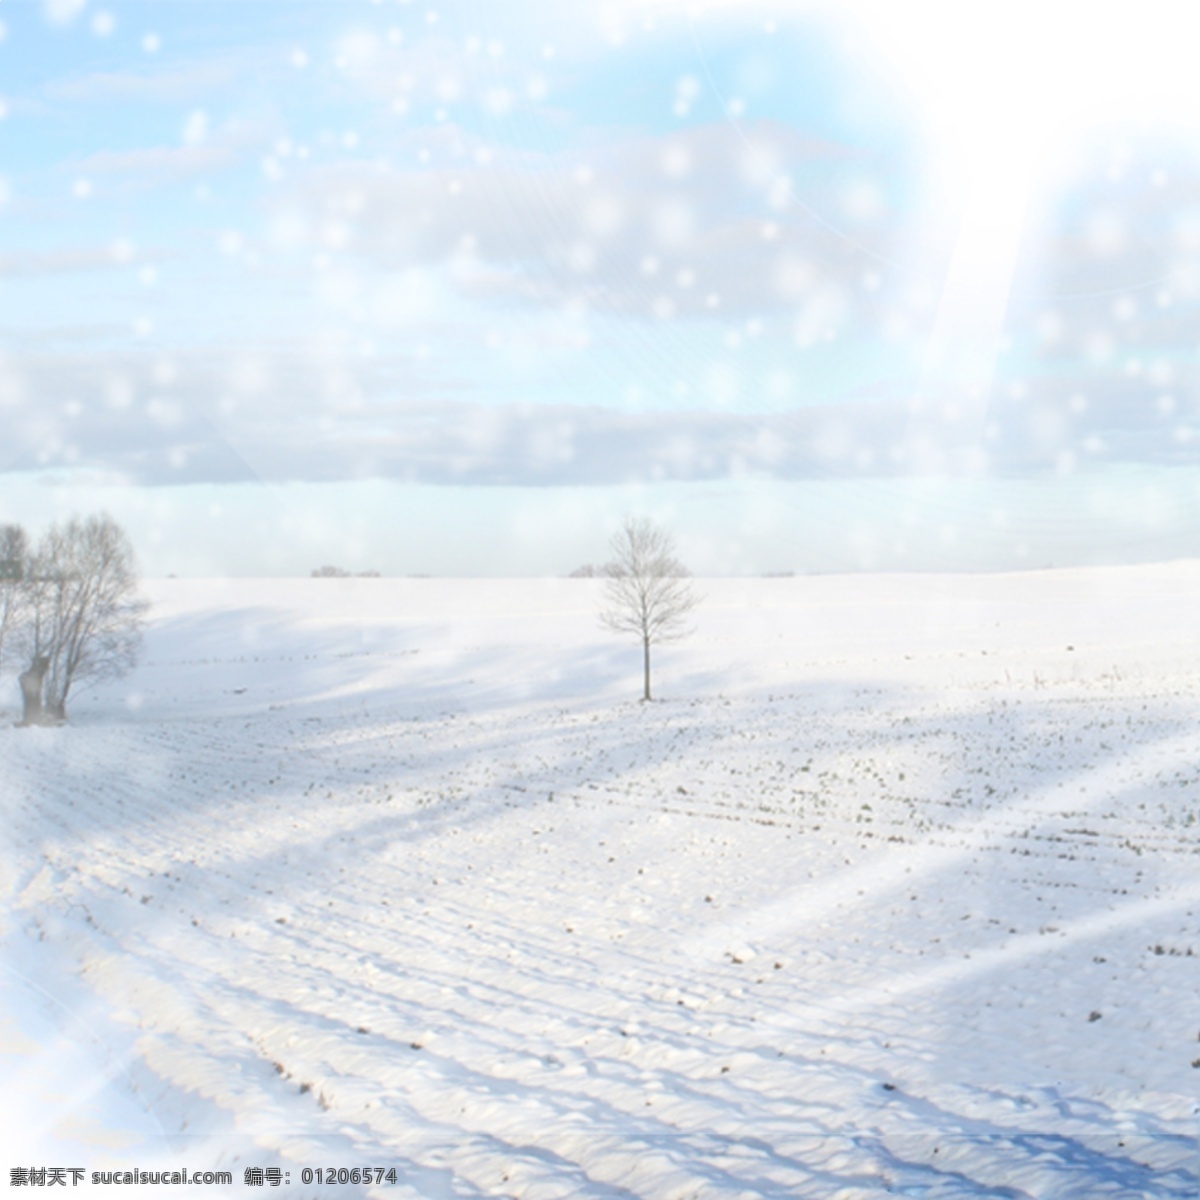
(31, 691)
(646, 668)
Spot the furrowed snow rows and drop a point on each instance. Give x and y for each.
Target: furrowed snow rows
(938, 943)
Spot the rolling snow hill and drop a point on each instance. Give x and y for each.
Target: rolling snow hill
(895, 890)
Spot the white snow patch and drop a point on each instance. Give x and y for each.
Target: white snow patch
(892, 893)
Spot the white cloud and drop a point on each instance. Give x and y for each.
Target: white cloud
(26, 264)
(203, 152)
(174, 162)
(551, 224)
(181, 82)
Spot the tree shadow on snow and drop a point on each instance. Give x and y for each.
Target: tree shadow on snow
(243, 776)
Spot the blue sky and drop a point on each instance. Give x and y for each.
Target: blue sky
(452, 287)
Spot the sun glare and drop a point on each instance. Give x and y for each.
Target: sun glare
(1034, 71)
(1003, 90)
(1042, 65)
(1003, 93)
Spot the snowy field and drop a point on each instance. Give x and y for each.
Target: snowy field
(895, 890)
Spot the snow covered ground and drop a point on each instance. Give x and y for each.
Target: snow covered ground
(894, 891)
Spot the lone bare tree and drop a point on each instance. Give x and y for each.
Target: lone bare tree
(647, 590)
(81, 616)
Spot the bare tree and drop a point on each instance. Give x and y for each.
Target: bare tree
(646, 592)
(83, 616)
(14, 558)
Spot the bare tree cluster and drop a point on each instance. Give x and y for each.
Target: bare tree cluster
(14, 555)
(329, 572)
(69, 610)
(647, 591)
